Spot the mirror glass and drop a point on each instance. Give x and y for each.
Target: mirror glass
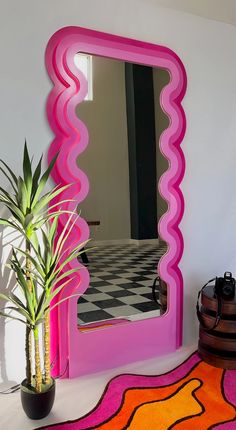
(123, 162)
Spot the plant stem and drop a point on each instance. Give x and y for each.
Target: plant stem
(28, 266)
(38, 372)
(28, 353)
(28, 337)
(47, 348)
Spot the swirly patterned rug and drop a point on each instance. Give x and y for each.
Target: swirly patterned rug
(193, 396)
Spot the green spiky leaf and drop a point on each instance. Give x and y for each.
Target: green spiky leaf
(43, 180)
(27, 170)
(36, 177)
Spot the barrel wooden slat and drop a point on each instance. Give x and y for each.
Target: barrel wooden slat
(216, 360)
(217, 346)
(225, 326)
(162, 296)
(163, 300)
(209, 301)
(217, 342)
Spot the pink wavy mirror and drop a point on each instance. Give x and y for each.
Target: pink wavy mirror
(83, 352)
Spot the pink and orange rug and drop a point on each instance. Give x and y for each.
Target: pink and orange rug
(193, 396)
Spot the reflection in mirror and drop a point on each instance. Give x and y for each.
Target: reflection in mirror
(123, 163)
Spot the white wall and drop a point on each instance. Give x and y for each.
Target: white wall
(212, 9)
(207, 49)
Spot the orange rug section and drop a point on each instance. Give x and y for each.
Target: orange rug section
(184, 402)
(193, 396)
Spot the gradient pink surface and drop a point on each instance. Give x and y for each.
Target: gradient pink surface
(95, 350)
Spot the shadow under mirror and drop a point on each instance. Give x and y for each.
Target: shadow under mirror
(123, 162)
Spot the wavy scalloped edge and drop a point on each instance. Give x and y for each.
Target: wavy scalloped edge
(71, 139)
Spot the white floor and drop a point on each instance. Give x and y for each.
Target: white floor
(76, 397)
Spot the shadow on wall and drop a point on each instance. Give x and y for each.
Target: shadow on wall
(8, 237)
(191, 331)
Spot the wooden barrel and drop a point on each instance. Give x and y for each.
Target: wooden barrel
(217, 346)
(162, 296)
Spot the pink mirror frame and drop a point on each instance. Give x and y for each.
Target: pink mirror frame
(75, 352)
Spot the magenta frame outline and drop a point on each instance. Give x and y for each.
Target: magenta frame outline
(87, 352)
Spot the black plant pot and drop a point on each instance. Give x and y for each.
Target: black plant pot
(37, 405)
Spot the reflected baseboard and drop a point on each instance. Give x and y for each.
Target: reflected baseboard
(119, 320)
(126, 242)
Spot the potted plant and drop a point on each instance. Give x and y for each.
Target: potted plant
(41, 273)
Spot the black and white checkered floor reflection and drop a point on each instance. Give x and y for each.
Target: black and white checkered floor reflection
(121, 277)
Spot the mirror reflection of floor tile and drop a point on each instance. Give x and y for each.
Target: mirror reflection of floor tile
(140, 290)
(89, 317)
(147, 283)
(96, 297)
(121, 283)
(122, 293)
(122, 310)
(109, 288)
(134, 299)
(88, 307)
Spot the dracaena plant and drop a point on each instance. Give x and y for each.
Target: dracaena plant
(49, 274)
(28, 203)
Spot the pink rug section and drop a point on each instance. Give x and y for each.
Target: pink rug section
(230, 386)
(115, 389)
(226, 426)
(230, 395)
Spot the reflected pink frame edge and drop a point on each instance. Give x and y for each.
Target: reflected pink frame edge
(74, 352)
